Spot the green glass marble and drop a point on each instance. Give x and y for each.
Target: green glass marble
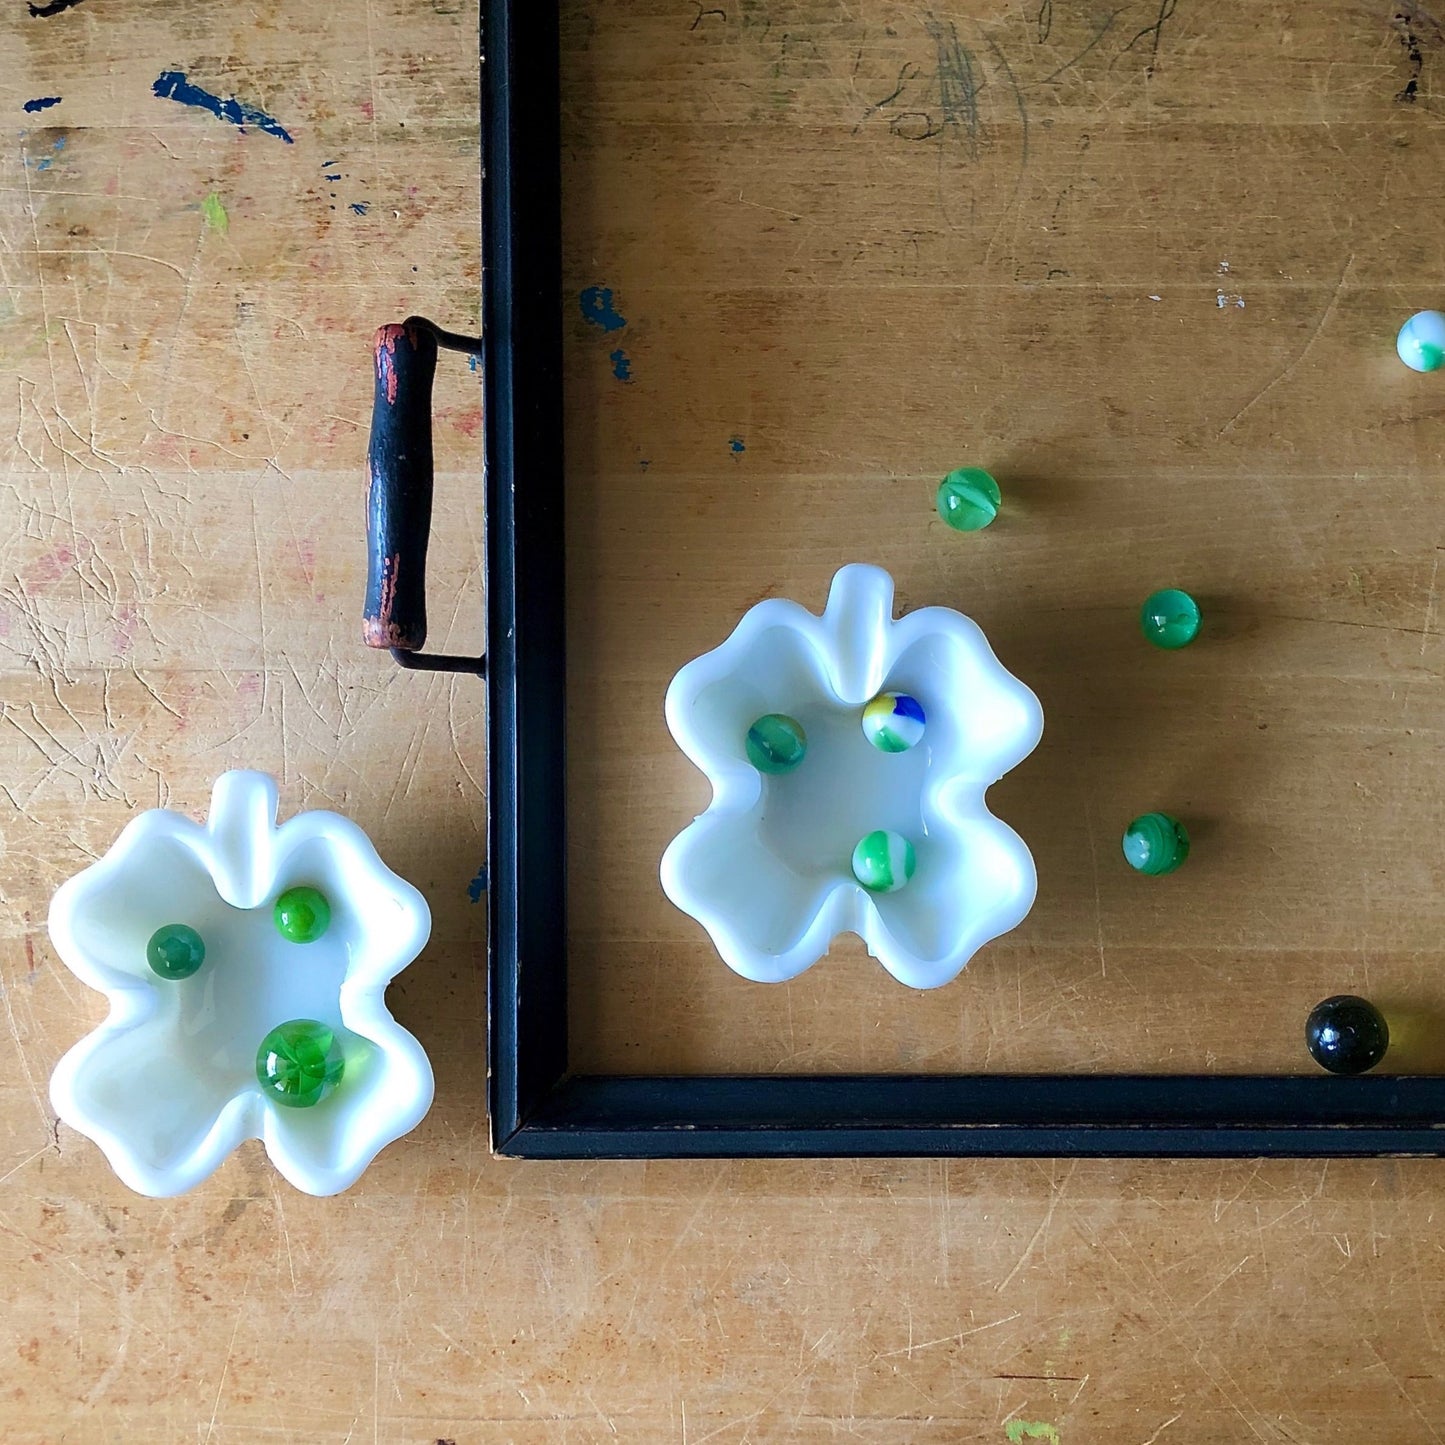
(968, 499)
(1169, 618)
(1421, 342)
(1155, 843)
(883, 861)
(302, 914)
(175, 951)
(299, 1063)
(776, 743)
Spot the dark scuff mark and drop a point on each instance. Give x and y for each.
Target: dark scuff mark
(44, 12)
(1415, 27)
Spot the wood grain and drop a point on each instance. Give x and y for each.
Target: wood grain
(855, 247)
(869, 242)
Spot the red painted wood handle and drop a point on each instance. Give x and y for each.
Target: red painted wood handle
(399, 491)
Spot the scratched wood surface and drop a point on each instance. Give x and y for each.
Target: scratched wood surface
(1146, 265)
(866, 243)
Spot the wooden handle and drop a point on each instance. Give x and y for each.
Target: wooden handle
(399, 492)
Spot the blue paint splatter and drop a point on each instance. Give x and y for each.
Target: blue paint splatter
(44, 165)
(621, 365)
(360, 208)
(474, 362)
(737, 446)
(43, 102)
(42, 12)
(597, 307)
(478, 885)
(172, 85)
(334, 177)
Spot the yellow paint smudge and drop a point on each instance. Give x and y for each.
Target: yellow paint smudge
(1019, 1430)
(215, 214)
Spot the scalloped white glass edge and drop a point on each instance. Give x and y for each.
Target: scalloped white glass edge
(99, 922)
(770, 921)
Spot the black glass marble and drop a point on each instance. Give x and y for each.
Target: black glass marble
(1346, 1035)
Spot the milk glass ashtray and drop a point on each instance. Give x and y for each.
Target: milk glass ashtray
(826, 820)
(246, 966)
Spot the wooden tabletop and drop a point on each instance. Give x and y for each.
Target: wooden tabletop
(1143, 262)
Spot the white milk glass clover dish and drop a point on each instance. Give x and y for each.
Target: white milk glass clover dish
(209, 938)
(770, 869)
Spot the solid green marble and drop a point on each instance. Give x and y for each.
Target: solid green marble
(1169, 618)
(299, 1063)
(175, 951)
(968, 499)
(776, 743)
(883, 861)
(302, 914)
(1155, 843)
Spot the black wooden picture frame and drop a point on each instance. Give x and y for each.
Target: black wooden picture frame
(541, 1110)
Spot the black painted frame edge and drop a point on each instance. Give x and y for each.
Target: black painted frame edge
(522, 399)
(537, 1110)
(870, 1115)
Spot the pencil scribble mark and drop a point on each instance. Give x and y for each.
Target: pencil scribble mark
(707, 15)
(1104, 28)
(947, 102)
(1045, 20)
(1008, 71)
(1156, 32)
(907, 71)
(915, 125)
(958, 86)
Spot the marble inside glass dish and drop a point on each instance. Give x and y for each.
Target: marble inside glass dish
(167, 1086)
(767, 868)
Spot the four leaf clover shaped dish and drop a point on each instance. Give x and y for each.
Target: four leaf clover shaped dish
(849, 755)
(246, 966)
